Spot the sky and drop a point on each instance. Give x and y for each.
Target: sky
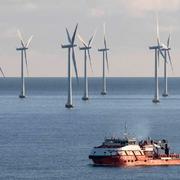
(130, 30)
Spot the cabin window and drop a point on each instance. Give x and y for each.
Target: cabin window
(132, 142)
(122, 153)
(137, 153)
(129, 153)
(123, 143)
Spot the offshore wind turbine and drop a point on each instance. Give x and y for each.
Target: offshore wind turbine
(86, 48)
(24, 47)
(166, 49)
(105, 61)
(70, 46)
(157, 49)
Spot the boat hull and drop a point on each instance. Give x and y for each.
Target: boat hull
(124, 161)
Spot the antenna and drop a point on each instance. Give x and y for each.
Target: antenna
(125, 129)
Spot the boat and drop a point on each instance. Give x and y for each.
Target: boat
(129, 152)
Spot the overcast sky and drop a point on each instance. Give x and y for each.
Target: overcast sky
(130, 24)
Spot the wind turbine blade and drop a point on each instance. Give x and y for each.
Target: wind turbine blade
(107, 61)
(90, 61)
(170, 60)
(21, 38)
(2, 72)
(92, 38)
(105, 44)
(158, 36)
(29, 41)
(74, 34)
(20, 35)
(25, 56)
(160, 51)
(104, 29)
(163, 46)
(81, 39)
(68, 35)
(75, 66)
(168, 41)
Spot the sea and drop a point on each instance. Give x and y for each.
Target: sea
(42, 140)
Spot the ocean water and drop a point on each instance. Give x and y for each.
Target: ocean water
(41, 140)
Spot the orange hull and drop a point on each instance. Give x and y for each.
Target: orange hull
(134, 161)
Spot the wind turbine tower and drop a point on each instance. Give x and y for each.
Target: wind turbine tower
(24, 47)
(70, 46)
(158, 51)
(86, 48)
(167, 56)
(105, 62)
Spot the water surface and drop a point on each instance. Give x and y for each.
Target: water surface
(41, 140)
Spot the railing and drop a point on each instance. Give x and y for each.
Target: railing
(170, 155)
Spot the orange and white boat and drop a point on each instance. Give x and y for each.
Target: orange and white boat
(129, 152)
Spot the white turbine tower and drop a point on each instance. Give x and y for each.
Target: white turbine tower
(24, 47)
(70, 48)
(86, 49)
(166, 49)
(157, 49)
(105, 61)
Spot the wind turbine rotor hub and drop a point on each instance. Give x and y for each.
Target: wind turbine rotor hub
(84, 48)
(166, 49)
(103, 49)
(155, 47)
(69, 46)
(21, 49)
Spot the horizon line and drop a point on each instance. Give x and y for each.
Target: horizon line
(88, 77)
